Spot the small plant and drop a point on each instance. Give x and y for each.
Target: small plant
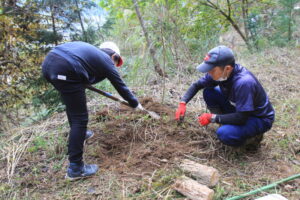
(57, 146)
(38, 144)
(220, 192)
(159, 186)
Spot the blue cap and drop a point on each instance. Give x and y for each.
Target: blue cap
(218, 56)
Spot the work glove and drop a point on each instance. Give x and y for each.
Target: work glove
(180, 112)
(139, 107)
(205, 119)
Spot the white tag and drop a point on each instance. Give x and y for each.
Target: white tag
(61, 77)
(232, 103)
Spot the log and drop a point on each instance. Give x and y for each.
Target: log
(192, 189)
(203, 174)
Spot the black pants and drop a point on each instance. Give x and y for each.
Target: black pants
(73, 95)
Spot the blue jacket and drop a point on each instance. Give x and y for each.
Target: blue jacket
(91, 65)
(243, 91)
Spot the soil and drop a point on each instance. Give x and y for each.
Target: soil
(132, 142)
(131, 146)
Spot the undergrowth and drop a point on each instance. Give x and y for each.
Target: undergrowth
(137, 156)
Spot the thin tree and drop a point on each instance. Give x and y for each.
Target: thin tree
(53, 6)
(81, 22)
(227, 14)
(288, 11)
(151, 49)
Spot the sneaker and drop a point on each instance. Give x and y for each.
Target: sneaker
(89, 134)
(77, 171)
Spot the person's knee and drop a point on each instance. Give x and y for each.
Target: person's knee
(229, 136)
(208, 94)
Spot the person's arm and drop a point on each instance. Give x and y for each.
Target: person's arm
(244, 95)
(205, 81)
(191, 92)
(238, 118)
(115, 79)
(244, 92)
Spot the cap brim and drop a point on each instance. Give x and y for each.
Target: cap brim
(120, 62)
(205, 67)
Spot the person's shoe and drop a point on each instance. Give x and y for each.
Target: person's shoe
(253, 144)
(77, 171)
(255, 140)
(89, 134)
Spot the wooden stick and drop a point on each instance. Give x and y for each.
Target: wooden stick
(108, 95)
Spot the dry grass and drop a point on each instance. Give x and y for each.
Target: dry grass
(138, 156)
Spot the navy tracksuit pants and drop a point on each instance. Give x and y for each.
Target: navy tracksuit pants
(233, 135)
(73, 95)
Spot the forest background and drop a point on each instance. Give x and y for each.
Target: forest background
(155, 37)
(162, 41)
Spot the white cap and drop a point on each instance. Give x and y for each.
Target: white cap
(115, 48)
(110, 45)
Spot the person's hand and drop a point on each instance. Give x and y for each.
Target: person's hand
(139, 107)
(205, 119)
(180, 112)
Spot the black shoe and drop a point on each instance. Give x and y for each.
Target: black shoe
(89, 134)
(255, 140)
(77, 171)
(253, 144)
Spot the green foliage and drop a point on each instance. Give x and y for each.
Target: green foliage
(285, 23)
(160, 185)
(220, 192)
(19, 57)
(180, 31)
(29, 30)
(57, 147)
(184, 39)
(39, 143)
(201, 34)
(50, 98)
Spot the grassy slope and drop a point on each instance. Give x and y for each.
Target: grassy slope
(33, 159)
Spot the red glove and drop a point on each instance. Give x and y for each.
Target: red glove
(205, 119)
(180, 111)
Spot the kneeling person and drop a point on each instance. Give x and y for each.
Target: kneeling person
(234, 97)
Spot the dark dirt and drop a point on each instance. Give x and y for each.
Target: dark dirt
(132, 146)
(132, 142)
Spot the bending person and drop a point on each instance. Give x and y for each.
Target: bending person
(69, 67)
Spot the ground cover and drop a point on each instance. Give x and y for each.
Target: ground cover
(138, 155)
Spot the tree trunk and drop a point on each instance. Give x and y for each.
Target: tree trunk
(245, 18)
(53, 24)
(290, 7)
(81, 23)
(237, 28)
(228, 17)
(10, 3)
(151, 49)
